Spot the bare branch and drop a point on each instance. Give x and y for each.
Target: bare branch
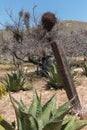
(9, 13)
(34, 16)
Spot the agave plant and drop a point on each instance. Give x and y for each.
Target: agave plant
(54, 77)
(14, 81)
(46, 117)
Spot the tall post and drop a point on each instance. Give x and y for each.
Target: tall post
(63, 66)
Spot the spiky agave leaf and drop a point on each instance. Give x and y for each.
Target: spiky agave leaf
(2, 128)
(62, 111)
(58, 115)
(74, 125)
(4, 124)
(65, 122)
(53, 126)
(36, 109)
(47, 110)
(54, 76)
(25, 120)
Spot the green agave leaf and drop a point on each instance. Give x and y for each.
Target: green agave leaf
(58, 80)
(2, 128)
(62, 111)
(53, 126)
(75, 125)
(49, 74)
(23, 105)
(55, 68)
(80, 124)
(27, 121)
(65, 122)
(5, 125)
(19, 104)
(36, 107)
(47, 110)
(55, 76)
(16, 112)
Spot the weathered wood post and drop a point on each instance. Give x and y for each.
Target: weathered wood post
(63, 66)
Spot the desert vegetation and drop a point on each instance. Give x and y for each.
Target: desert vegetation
(28, 64)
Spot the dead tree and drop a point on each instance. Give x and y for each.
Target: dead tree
(63, 66)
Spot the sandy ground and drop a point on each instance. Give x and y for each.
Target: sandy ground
(6, 108)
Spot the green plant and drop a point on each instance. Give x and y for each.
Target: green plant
(84, 67)
(5, 125)
(71, 124)
(46, 117)
(54, 77)
(14, 81)
(33, 58)
(2, 90)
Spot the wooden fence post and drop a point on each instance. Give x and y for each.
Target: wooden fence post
(64, 69)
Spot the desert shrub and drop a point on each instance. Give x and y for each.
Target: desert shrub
(46, 117)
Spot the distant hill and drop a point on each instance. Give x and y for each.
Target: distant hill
(75, 24)
(74, 36)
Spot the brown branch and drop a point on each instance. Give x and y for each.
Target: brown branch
(17, 57)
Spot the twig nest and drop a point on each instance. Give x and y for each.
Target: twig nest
(48, 21)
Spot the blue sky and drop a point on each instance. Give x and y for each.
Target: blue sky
(64, 9)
